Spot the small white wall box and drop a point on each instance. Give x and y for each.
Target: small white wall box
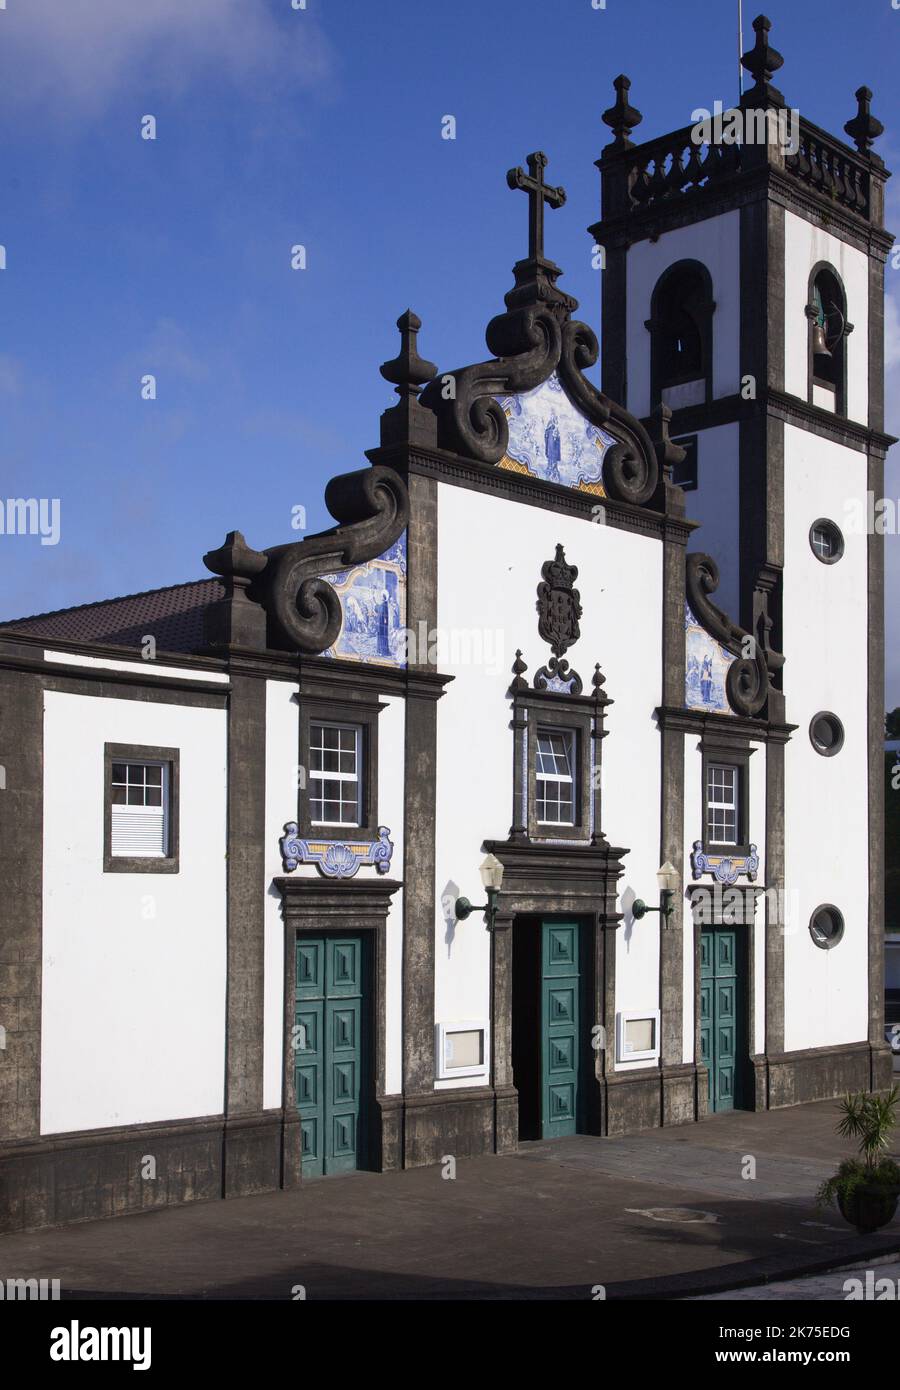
(463, 1049)
(638, 1036)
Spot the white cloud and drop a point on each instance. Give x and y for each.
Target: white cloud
(80, 55)
(168, 349)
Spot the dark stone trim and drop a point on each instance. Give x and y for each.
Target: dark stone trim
(825, 1073)
(876, 344)
(108, 651)
(775, 927)
(322, 678)
(120, 685)
(419, 801)
(726, 195)
(549, 715)
(459, 1122)
(875, 721)
(641, 1098)
(614, 355)
(542, 880)
(671, 836)
(554, 497)
(727, 410)
(713, 725)
(86, 1175)
(246, 849)
(420, 791)
(136, 864)
(356, 906)
(736, 752)
(362, 712)
(21, 904)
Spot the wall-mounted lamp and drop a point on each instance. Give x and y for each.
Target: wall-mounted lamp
(668, 880)
(491, 872)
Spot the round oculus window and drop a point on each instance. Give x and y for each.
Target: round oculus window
(826, 733)
(826, 926)
(826, 541)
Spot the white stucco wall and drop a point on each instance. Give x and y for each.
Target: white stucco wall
(620, 583)
(716, 243)
(804, 246)
(133, 985)
(826, 799)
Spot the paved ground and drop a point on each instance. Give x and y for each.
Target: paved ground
(667, 1213)
(821, 1288)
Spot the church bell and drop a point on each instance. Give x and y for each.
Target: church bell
(819, 344)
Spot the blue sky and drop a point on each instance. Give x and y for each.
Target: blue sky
(321, 126)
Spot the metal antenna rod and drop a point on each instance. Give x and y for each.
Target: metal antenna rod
(740, 46)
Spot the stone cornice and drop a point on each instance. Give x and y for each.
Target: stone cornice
(710, 725)
(732, 192)
(481, 477)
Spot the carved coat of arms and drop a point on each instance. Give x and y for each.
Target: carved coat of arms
(558, 604)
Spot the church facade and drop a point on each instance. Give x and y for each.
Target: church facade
(576, 637)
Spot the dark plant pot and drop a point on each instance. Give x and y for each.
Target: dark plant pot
(868, 1207)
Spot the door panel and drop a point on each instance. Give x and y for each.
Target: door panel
(560, 1025)
(329, 1053)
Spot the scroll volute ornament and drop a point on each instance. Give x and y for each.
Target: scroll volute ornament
(748, 681)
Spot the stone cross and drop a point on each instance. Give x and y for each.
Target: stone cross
(539, 193)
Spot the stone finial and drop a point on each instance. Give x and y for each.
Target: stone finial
(762, 61)
(598, 680)
(408, 371)
(235, 620)
(864, 127)
(519, 667)
(622, 117)
(236, 560)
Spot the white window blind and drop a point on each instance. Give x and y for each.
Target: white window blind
(140, 793)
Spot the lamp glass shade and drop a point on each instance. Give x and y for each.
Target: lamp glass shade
(491, 872)
(667, 878)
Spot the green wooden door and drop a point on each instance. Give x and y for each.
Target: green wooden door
(560, 1028)
(722, 1015)
(329, 1016)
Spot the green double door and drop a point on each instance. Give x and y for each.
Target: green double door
(723, 1015)
(330, 1054)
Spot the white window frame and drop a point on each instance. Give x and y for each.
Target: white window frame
(569, 737)
(445, 1032)
(118, 808)
(636, 1016)
(321, 776)
(733, 805)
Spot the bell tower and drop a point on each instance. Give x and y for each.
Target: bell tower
(744, 289)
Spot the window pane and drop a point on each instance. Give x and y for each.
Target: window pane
(154, 776)
(118, 796)
(118, 772)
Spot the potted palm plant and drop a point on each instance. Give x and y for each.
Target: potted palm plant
(866, 1189)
